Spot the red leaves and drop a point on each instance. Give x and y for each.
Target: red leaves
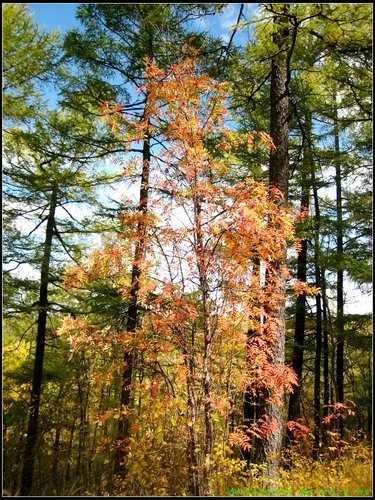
(241, 439)
(208, 244)
(338, 411)
(225, 146)
(303, 214)
(261, 429)
(300, 432)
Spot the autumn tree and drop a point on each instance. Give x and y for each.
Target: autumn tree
(188, 283)
(131, 34)
(325, 30)
(206, 235)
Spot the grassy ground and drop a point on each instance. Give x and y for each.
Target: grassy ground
(347, 474)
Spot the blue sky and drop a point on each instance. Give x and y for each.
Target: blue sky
(61, 16)
(55, 15)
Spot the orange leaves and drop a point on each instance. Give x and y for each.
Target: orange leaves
(264, 139)
(190, 105)
(300, 432)
(298, 245)
(110, 263)
(302, 288)
(110, 108)
(250, 142)
(131, 221)
(261, 429)
(303, 214)
(111, 113)
(104, 417)
(262, 226)
(267, 426)
(241, 439)
(80, 332)
(74, 276)
(209, 243)
(338, 411)
(270, 378)
(170, 311)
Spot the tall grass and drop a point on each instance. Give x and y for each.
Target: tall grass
(345, 473)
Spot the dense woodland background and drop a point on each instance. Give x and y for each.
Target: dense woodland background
(183, 228)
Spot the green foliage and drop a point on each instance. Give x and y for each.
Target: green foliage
(29, 56)
(42, 148)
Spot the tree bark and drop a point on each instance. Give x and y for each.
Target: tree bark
(269, 449)
(279, 124)
(32, 431)
(326, 382)
(319, 318)
(294, 411)
(340, 277)
(132, 314)
(207, 348)
(193, 455)
(318, 356)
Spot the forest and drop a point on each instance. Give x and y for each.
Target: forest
(187, 251)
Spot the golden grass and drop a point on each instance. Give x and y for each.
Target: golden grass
(349, 474)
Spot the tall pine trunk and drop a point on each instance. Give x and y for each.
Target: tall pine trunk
(294, 410)
(340, 276)
(326, 381)
(269, 449)
(319, 315)
(32, 430)
(132, 314)
(318, 358)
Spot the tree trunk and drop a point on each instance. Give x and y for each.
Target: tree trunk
(69, 451)
(325, 356)
(56, 477)
(318, 355)
(294, 411)
(318, 283)
(207, 348)
(340, 278)
(32, 431)
(369, 409)
(279, 125)
(249, 413)
(269, 449)
(195, 486)
(132, 313)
